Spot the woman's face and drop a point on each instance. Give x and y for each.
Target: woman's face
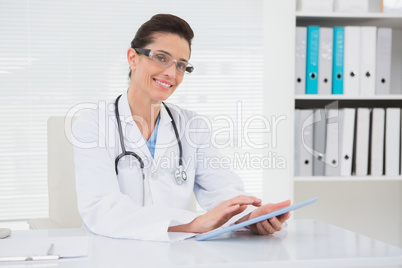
(156, 81)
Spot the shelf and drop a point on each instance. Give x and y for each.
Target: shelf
(346, 179)
(342, 101)
(343, 97)
(370, 15)
(345, 19)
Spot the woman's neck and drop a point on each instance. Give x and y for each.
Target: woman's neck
(144, 110)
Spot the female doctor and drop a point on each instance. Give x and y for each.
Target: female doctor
(139, 160)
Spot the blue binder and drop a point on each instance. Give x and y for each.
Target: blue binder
(337, 60)
(313, 41)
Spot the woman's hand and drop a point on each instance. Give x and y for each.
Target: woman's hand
(271, 225)
(217, 216)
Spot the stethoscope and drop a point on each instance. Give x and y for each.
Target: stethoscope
(180, 174)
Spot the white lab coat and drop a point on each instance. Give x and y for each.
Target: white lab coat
(111, 205)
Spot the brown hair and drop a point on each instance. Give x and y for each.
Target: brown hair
(161, 23)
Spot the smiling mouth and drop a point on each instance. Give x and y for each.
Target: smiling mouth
(163, 84)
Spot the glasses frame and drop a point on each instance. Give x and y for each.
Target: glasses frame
(149, 53)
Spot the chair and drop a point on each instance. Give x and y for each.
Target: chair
(63, 210)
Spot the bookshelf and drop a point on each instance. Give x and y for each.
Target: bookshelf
(348, 202)
(393, 21)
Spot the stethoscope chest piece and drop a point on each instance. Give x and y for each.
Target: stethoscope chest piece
(180, 175)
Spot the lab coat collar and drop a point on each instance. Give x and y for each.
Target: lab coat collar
(164, 116)
(124, 109)
(166, 136)
(136, 141)
(125, 112)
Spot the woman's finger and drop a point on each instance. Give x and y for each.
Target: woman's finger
(261, 229)
(242, 200)
(280, 205)
(275, 223)
(268, 227)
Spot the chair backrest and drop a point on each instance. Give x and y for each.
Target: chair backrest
(63, 207)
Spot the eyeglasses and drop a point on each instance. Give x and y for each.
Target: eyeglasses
(166, 60)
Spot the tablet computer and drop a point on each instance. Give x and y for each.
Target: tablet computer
(269, 215)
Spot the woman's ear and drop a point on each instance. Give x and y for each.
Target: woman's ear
(131, 58)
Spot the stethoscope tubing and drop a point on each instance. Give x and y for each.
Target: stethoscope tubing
(123, 147)
(181, 175)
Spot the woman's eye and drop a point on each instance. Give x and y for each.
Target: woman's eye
(181, 66)
(161, 58)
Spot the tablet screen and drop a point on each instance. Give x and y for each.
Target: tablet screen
(269, 215)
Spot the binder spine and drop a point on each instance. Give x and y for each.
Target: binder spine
(313, 39)
(337, 67)
(347, 134)
(351, 61)
(325, 61)
(368, 42)
(383, 70)
(300, 72)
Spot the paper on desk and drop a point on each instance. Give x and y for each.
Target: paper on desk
(65, 247)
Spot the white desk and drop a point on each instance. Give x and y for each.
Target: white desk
(305, 243)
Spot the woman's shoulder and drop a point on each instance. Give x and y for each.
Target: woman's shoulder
(181, 113)
(93, 116)
(188, 118)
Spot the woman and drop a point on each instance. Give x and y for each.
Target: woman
(131, 184)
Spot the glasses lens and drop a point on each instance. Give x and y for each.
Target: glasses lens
(166, 60)
(181, 66)
(162, 58)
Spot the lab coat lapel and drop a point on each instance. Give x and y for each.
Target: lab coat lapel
(137, 142)
(166, 137)
(134, 140)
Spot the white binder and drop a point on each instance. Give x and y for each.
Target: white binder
(319, 135)
(306, 142)
(400, 167)
(396, 62)
(333, 143)
(351, 77)
(355, 6)
(347, 138)
(383, 71)
(297, 140)
(392, 141)
(368, 43)
(325, 61)
(362, 141)
(300, 71)
(377, 142)
(314, 5)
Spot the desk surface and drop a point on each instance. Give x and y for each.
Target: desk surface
(304, 243)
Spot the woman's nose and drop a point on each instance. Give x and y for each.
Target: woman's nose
(171, 70)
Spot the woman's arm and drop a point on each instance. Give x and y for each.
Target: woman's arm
(217, 216)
